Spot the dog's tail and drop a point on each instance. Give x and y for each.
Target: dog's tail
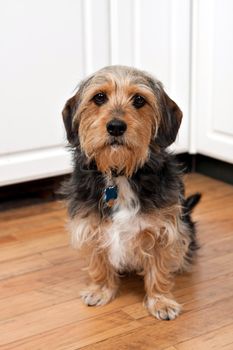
(191, 202)
(188, 206)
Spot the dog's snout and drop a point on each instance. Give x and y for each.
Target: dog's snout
(116, 127)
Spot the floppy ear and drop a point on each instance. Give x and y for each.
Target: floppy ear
(68, 113)
(171, 117)
(70, 109)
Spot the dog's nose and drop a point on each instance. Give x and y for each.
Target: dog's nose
(116, 127)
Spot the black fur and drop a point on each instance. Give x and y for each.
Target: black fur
(191, 202)
(85, 187)
(188, 205)
(158, 183)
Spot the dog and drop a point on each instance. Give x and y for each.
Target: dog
(125, 197)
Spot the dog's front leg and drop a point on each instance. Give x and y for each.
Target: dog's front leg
(158, 299)
(105, 281)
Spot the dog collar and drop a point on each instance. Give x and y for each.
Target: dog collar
(110, 195)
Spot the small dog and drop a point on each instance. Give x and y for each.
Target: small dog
(126, 197)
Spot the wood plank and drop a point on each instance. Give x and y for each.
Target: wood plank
(49, 295)
(18, 224)
(61, 255)
(222, 338)
(19, 249)
(41, 278)
(20, 266)
(75, 336)
(30, 210)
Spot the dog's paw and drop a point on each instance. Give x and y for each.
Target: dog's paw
(97, 296)
(162, 307)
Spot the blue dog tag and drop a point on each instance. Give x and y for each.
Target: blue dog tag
(110, 195)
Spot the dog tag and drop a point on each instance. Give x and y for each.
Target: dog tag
(110, 195)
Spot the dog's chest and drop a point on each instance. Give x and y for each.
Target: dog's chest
(125, 226)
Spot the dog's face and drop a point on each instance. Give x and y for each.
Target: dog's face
(117, 114)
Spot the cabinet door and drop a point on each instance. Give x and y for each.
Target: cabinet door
(41, 61)
(212, 102)
(47, 47)
(154, 35)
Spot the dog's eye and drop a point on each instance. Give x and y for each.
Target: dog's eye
(138, 101)
(100, 98)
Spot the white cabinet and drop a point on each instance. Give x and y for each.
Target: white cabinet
(212, 101)
(41, 61)
(47, 47)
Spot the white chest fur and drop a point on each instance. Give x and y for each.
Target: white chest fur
(126, 225)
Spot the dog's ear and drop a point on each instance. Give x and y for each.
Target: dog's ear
(68, 113)
(171, 117)
(70, 109)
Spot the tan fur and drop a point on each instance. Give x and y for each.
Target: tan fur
(105, 280)
(142, 124)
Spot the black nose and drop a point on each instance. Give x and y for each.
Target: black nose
(116, 127)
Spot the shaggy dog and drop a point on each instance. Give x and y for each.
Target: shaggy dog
(126, 197)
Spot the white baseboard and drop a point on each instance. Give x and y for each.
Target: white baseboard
(34, 164)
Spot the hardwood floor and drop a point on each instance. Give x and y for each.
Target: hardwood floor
(40, 280)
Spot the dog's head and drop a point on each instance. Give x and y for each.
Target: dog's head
(116, 115)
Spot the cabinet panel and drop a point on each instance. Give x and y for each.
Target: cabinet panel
(41, 60)
(96, 39)
(150, 35)
(223, 68)
(212, 78)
